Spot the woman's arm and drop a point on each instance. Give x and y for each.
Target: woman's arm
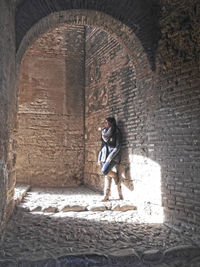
(116, 149)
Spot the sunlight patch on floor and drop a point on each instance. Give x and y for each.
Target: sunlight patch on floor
(89, 204)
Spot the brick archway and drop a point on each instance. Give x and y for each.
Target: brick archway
(122, 33)
(119, 31)
(142, 17)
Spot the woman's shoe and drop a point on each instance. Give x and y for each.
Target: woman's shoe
(106, 198)
(121, 198)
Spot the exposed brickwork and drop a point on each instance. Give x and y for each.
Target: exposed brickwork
(116, 28)
(110, 88)
(165, 116)
(141, 16)
(51, 109)
(178, 116)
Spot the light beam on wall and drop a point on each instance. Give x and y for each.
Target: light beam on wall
(146, 176)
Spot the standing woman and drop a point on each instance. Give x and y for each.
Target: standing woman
(109, 155)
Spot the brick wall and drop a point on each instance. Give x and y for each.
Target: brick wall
(158, 112)
(51, 110)
(178, 115)
(142, 17)
(110, 90)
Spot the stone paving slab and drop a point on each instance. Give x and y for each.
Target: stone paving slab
(90, 238)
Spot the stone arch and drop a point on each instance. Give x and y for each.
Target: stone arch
(122, 33)
(119, 31)
(142, 17)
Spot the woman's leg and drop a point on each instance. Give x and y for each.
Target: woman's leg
(107, 187)
(106, 170)
(119, 189)
(115, 176)
(107, 166)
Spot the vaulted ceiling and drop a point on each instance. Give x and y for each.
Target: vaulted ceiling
(141, 16)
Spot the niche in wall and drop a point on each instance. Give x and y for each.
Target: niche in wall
(51, 110)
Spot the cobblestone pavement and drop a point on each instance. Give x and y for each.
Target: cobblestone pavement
(72, 227)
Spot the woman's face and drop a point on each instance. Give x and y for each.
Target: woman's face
(107, 124)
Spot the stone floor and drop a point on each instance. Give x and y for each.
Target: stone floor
(72, 227)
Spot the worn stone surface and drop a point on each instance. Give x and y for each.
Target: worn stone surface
(7, 110)
(69, 200)
(100, 207)
(100, 238)
(49, 209)
(73, 208)
(152, 255)
(3, 189)
(125, 207)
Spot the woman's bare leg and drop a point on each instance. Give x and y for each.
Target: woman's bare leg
(107, 187)
(115, 176)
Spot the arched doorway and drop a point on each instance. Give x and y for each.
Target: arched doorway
(112, 87)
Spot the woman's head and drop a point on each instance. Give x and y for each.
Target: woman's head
(110, 122)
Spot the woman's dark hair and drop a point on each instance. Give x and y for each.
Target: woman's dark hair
(113, 124)
(112, 121)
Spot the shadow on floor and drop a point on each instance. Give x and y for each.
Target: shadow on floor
(90, 239)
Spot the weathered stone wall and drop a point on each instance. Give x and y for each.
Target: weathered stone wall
(7, 108)
(51, 110)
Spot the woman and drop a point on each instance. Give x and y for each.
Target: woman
(109, 155)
